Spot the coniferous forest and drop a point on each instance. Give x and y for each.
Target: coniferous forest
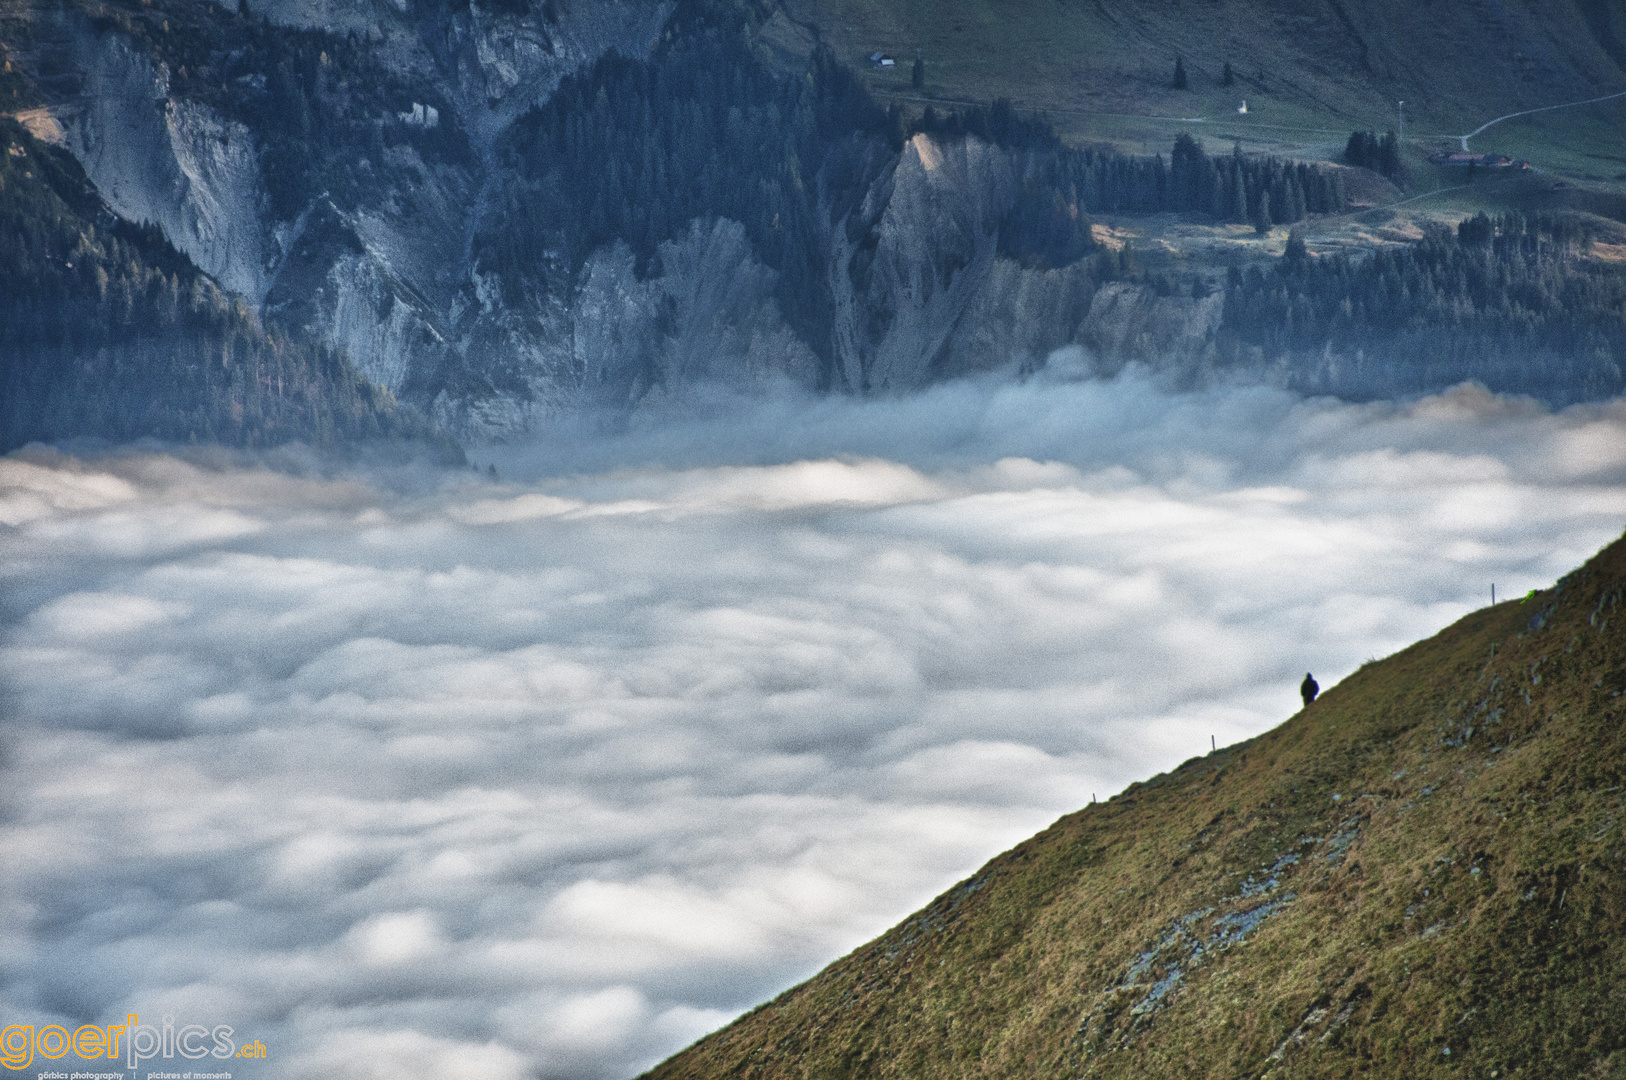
(1367, 150)
(1507, 299)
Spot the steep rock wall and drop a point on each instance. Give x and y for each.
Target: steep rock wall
(1018, 317)
(367, 314)
(407, 301)
(922, 293)
(934, 248)
(1128, 321)
(617, 341)
(177, 164)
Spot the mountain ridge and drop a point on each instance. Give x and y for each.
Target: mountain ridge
(504, 215)
(1420, 874)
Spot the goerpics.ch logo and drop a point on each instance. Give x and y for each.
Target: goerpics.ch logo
(132, 1040)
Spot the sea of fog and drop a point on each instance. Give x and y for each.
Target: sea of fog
(412, 772)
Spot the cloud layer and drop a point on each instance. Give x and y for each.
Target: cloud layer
(418, 774)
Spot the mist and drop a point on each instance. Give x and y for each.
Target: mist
(421, 772)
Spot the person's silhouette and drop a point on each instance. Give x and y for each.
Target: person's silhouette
(1308, 688)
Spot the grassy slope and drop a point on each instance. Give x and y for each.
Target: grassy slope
(1456, 812)
(1305, 64)
(1310, 70)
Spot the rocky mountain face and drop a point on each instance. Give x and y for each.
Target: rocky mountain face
(1421, 874)
(108, 333)
(504, 212)
(381, 246)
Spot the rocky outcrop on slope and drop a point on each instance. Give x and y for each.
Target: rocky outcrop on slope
(176, 163)
(213, 128)
(506, 212)
(1128, 321)
(923, 293)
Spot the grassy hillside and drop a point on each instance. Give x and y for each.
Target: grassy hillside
(1302, 65)
(1419, 875)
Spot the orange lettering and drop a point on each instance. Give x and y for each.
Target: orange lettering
(89, 1042)
(52, 1042)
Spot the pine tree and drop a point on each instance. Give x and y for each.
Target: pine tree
(1239, 192)
(1388, 154)
(917, 77)
(1295, 245)
(1179, 73)
(1229, 77)
(1261, 220)
(1356, 151)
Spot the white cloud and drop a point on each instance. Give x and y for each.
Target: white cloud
(369, 1054)
(396, 938)
(416, 774)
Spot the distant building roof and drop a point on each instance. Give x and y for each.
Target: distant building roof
(1489, 161)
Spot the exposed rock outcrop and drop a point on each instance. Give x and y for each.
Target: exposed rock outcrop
(1131, 322)
(388, 271)
(175, 163)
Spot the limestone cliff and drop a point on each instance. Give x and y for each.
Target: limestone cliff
(382, 261)
(1131, 322)
(169, 161)
(502, 212)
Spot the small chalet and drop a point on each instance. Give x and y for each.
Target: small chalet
(1484, 161)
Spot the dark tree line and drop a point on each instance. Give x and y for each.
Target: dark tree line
(1230, 188)
(1509, 300)
(107, 331)
(1367, 150)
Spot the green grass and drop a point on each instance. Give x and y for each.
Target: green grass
(1311, 72)
(1442, 836)
(1584, 143)
(1451, 62)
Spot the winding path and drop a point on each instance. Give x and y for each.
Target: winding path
(1527, 112)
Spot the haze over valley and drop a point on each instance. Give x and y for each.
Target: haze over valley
(413, 773)
(528, 529)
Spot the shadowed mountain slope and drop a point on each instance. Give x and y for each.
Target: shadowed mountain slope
(1419, 875)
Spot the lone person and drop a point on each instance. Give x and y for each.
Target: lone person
(1308, 689)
